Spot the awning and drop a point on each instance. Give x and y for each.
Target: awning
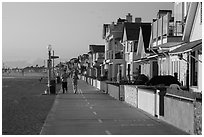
(167, 45)
(152, 56)
(147, 58)
(191, 46)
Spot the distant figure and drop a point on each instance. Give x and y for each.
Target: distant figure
(75, 80)
(22, 72)
(41, 79)
(64, 81)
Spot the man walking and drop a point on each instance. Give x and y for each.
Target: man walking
(64, 81)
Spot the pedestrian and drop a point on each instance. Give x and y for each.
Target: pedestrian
(75, 80)
(64, 81)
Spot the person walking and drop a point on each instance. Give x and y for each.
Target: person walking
(64, 81)
(75, 81)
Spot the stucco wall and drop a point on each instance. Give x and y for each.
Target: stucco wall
(122, 93)
(179, 113)
(146, 100)
(98, 84)
(131, 95)
(113, 91)
(196, 32)
(94, 82)
(104, 87)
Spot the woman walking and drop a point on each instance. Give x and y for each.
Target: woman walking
(75, 81)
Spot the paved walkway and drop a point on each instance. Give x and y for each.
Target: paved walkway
(94, 113)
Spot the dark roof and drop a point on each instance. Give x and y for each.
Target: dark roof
(146, 32)
(97, 48)
(132, 30)
(194, 45)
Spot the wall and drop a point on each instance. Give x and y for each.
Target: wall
(94, 82)
(122, 92)
(145, 69)
(104, 87)
(98, 84)
(131, 95)
(179, 113)
(113, 91)
(175, 110)
(196, 32)
(146, 100)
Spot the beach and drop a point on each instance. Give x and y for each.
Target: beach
(24, 108)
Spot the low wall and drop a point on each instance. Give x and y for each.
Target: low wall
(91, 81)
(198, 117)
(131, 95)
(84, 78)
(179, 112)
(94, 82)
(182, 112)
(113, 91)
(147, 100)
(98, 84)
(122, 92)
(104, 87)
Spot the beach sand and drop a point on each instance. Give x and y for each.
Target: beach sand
(24, 108)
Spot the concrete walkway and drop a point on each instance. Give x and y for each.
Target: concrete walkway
(94, 113)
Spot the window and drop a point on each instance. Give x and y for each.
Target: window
(201, 12)
(194, 69)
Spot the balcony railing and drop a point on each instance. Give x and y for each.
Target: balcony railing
(165, 26)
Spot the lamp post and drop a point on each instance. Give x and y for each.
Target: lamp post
(49, 65)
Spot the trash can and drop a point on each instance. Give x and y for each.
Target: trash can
(58, 79)
(52, 87)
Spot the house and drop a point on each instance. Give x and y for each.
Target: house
(167, 32)
(146, 58)
(112, 35)
(96, 58)
(130, 42)
(190, 53)
(164, 39)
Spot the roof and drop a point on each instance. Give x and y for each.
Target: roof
(132, 30)
(97, 48)
(191, 46)
(146, 32)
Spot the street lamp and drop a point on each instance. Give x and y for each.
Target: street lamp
(49, 65)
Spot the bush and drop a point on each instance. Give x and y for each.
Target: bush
(102, 78)
(165, 80)
(141, 79)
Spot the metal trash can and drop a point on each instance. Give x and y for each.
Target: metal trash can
(58, 79)
(52, 87)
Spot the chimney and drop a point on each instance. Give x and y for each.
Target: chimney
(138, 20)
(129, 17)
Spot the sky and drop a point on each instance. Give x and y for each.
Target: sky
(29, 27)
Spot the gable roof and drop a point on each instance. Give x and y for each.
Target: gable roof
(132, 30)
(146, 32)
(97, 48)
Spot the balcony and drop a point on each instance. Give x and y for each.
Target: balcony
(165, 30)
